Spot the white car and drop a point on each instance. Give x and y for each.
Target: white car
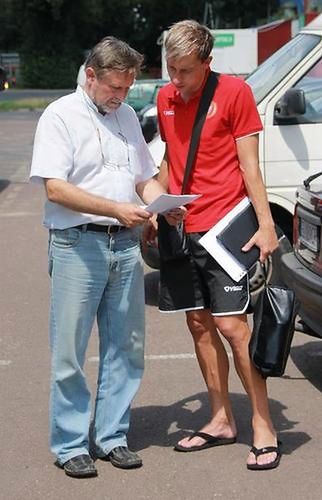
(81, 77)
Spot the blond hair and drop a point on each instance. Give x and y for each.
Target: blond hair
(187, 37)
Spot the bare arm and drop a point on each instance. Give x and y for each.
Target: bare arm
(265, 238)
(163, 173)
(152, 188)
(148, 192)
(75, 198)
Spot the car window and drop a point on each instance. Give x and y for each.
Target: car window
(272, 71)
(141, 91)
(311, 84)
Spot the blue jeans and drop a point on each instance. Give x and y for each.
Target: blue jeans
(94, 275)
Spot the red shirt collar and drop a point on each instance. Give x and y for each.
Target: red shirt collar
(176, 98)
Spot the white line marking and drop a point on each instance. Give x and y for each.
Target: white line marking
(153, 357)
(5, 362)
(186, 355)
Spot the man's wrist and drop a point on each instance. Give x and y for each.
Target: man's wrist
(266, 224)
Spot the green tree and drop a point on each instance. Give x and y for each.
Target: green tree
(50, 47)
(152, 17)
(52, 35)
(245, 14)
(10, 24)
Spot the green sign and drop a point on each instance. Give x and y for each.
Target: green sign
(224, 40)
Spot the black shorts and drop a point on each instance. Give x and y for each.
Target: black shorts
(199, 282)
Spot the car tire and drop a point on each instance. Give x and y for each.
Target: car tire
(150, 256)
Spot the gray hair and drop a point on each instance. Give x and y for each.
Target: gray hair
(187, 37)
(113, 54)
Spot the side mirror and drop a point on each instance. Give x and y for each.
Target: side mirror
(291, 104)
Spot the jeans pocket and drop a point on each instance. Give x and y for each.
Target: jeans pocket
(50, 254)
(66, 238)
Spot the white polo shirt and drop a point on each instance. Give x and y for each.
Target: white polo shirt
(104, 155)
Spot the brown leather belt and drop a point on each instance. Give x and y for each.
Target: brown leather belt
(100, 228)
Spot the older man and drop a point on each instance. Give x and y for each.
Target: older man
(90, 153)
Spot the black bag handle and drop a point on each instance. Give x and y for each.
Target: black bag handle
(265, 272)
(207, 95)
(308, 181)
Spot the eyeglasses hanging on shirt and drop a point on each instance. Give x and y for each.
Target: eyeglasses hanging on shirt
(108, 163)
(112, 165)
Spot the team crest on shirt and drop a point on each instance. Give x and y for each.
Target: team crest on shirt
(168, 112)
(212, 110)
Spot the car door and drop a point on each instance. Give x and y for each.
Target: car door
(292, 151)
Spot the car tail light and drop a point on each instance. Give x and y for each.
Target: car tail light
(319, 206)
(295, 227)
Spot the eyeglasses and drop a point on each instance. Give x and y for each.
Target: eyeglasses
(107, 163)
(110, 165)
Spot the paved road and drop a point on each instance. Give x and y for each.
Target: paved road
(172, 398)
(14, 94)
(16, 140)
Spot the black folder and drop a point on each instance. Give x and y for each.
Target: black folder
(238, 233)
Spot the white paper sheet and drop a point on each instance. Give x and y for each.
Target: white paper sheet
(209, 241)
(166, 202)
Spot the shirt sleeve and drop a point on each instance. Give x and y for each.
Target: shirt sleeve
(53, 151)
(245, 119)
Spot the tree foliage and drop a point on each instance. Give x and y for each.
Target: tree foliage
(50, 49)
(52, 35)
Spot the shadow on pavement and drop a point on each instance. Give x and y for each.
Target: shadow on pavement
(4, 183)
(150, 425)
(308, 359)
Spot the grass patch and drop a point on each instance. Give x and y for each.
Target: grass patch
(30, 104)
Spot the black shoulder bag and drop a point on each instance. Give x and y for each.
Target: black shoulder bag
(274, 318)
(172, 240)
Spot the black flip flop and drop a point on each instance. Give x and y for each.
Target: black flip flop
(263, 451)
(210, 441)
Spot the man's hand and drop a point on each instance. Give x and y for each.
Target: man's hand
(175, 215)
(265, 239)
(130, 215)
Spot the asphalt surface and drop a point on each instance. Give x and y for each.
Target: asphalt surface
(172, 399)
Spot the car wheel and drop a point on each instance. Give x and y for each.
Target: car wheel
(150, 256)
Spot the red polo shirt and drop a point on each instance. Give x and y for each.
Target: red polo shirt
(216, 174)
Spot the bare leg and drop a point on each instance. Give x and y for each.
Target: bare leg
(214, 365)
(235, 329)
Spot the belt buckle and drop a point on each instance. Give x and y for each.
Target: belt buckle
(113, 229)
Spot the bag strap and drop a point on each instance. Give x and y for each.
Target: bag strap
(206, 98)
(265, 273)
